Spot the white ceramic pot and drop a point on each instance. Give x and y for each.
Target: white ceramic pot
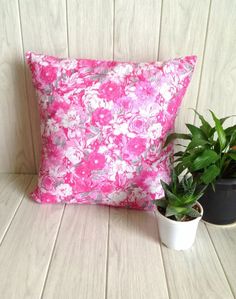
(176, 234)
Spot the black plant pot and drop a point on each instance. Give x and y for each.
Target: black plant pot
(220, 206)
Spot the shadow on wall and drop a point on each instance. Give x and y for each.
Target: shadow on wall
(16, 145)
(29, 117)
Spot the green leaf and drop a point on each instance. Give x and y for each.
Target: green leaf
(179, 168)
(165, 186)
(222, 120)
(174, 180)
(193, 213)
(206, 127)
(197, 142)
(174, 136)
(232, 154)
(220, 131)
(188, 200)
(172, 210)
(205, 159)
(196, 132)
(232, 140)
(210, 174)
(230, 130)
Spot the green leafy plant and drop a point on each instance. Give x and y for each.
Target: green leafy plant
(180, 198)
(210, 153)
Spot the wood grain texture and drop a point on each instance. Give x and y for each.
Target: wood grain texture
(44, 30)
(90, 28)
(12, 188)
(218, 88)
(135, 268)
(196, 273)
(26, 249)
(224, 239)
(183, 31)
(78, 267)
(16, 152)
(136, 32)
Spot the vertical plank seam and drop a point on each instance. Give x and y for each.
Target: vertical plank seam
(203, 60)
(160, 26)
(26, 88)
(52, 253)
(108, 249)
(113, 30)
(17, 208)
(218, 257)
(162, 259)
(67, 29)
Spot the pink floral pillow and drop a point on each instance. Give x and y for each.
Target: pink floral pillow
(103, 125)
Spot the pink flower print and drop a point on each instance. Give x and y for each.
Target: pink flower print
(102, 116)
(144, 177)
(48, 74)
(110, 91)
(83, 184)
(138, 125)
(83, 170)
(144, 89)
(47, 183)
(107, 187)
(136, 145)
(125, 103)
(47, 197)
(96, 161)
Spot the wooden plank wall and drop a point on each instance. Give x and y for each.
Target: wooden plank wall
(134, 30)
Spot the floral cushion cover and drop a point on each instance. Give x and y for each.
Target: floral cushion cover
(103, 124)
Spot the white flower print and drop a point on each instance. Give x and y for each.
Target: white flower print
(71, 119)
(154, 131)
(117, 197)
(51, 127)
(73, 155)
(166, 91)
(150, 109)
(64, 190)
(123, 69)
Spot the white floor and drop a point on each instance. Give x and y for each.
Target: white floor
(93, 252)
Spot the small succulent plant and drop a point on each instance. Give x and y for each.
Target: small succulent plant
(181, 196)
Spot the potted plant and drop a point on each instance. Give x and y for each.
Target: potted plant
(210, 156)
(179, 212)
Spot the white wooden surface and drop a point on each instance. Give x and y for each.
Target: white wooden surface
(90, 28)
(224, 240)
(85, 252)
(218, 88)
(125, 30)
(16, 152)
(136, 31)
(135, 268)
(26, 249)
(196, 273)
(78, 266)
(12, 189)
